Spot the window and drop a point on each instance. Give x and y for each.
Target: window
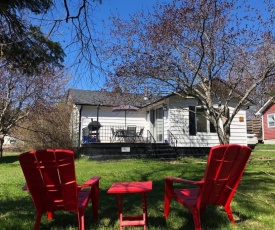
(198, 121)
(12, 141)
(159, 124)
(201, 120)
(271, 120)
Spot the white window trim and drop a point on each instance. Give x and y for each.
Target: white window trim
(268, 124)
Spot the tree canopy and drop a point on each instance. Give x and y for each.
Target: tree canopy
(186, 46)
(23, 45)
(35, 34)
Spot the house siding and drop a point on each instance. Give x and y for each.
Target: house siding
(238, 129)
(179, 126)
(268, 132)
(107, 119)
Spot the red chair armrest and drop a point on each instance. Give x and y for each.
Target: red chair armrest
(184, 181)
(90, 182)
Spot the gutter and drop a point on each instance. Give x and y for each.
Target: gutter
(79, 126)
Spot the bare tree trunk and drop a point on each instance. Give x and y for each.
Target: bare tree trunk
(223, 136)
(1, 146)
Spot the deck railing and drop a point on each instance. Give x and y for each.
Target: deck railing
(105, 134)
(150, 137)
(172, 139)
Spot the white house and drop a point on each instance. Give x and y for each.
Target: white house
(164, 118)
(9, 142)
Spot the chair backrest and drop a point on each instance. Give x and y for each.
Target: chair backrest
(141, 131)
(51, 180)
(113, 131)
(225, 167)
(131, 130)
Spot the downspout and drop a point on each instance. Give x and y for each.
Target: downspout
(79, 126)
(97, 112)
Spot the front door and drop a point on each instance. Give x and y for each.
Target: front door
(156, 119)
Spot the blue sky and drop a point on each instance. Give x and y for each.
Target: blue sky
(102, 12)
(124, 8)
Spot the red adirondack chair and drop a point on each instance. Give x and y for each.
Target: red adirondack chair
(51, 181)
(225, 167)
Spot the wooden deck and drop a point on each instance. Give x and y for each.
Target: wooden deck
(115, 150)
(122, 150)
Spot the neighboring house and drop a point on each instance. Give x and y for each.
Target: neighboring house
(161, 117)
(267, 113)
(10, 142)
(254, 126)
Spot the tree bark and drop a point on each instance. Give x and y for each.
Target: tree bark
(1, 146)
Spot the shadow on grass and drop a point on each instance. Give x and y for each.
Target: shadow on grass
(8, 159)
(214, 217)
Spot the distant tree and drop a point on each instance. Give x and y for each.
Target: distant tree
(217, 51)
(22, 94)
(46, 128)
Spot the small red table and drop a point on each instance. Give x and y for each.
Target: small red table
(131, 187)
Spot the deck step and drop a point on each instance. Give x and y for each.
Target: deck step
(162, 152)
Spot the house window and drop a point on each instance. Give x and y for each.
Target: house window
(271, 120)
(201, 120)
(198, 122)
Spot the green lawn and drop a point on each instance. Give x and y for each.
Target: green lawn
(253, 205)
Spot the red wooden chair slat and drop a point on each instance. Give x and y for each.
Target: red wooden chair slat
(51, 181)
(224, 169)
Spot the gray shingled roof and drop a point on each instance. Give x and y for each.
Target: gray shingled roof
(88, 97)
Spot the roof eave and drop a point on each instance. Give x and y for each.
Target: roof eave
(265, 106)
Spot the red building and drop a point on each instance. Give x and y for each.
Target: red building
(267, 113)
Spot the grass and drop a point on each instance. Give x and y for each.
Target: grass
(253, 205)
